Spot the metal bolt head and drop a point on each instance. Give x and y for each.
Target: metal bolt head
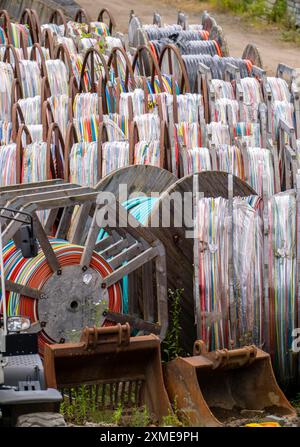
(176, 238)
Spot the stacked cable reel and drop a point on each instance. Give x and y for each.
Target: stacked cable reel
(103, 87)
(190, 40)
(157, 35)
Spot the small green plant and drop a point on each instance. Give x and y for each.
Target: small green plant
(76, 411)
(81, 405)
(102, 45)
(296, 401)
(85, 35)
(257, 11)
(278, 12)
(172, 419)
(117, 415)
(253, 8)
(291, 35)
(171, 347)
(139, 417)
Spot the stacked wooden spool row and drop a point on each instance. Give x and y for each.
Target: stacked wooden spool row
(110, 109)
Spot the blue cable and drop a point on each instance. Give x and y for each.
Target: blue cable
(140, 208)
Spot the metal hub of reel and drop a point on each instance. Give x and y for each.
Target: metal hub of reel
(72, 300)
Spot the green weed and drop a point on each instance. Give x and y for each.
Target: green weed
(171, 347)
(256, 11)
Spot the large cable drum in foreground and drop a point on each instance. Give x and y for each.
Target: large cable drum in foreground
(171, 203)
(75, 280)
(69, 299)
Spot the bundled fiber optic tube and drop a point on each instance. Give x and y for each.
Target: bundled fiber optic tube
(223, 322)
(196, 159)
(83, 164)
(31, 109)
(282, 310)
(58, 77)
(59, 106)
(6, 81)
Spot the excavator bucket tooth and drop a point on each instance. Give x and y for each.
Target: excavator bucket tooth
(121, 370)
(211, 388)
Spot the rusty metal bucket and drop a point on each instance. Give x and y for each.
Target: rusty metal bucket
(211, 388)
(123, 370)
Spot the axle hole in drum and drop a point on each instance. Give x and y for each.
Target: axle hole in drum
(74, 305)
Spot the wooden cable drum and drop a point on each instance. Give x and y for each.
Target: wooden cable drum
(111, 20)
(82, 16)
(52, 162)
(117, 57)
(94, 62)
(137, 178)
(164, 159)
(140, 180)
(6, 25)
(171, 62)
(29, 17)
(58, 18)
(37, 55)
(208, 22)
(36, 25)
(179, 248)
(147, 64)
(251, 53)
(217, 34)
(181, 20)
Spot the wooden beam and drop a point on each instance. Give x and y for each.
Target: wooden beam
(77, 229)
(91, 240)
(132, 265)
(61, 202)
(45, 245)
(13, 226)
(64, 223)
(114, 249)
(50, 220)
(23, 290)
(162, 289)
(126, 255)
(17, 198)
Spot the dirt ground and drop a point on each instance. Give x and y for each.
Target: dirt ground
(238, 34)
